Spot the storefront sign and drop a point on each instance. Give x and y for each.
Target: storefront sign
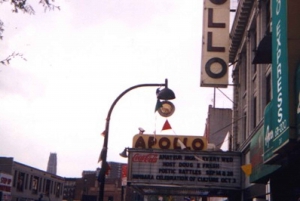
(185, 168)
(214, 67)
(260, 171)
(145, 141)
(277, 130)
(6, 181)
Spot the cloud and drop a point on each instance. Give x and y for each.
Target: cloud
(79, 60)
(14, 81)
(133, 13)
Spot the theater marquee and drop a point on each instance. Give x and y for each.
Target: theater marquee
(215, 43)
(173, 171)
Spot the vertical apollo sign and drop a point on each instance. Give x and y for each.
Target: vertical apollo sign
(215, 43)
(276, 126)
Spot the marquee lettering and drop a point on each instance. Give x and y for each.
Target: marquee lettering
(164, 143)
(140, 143)
(169, 143)
(186, 168)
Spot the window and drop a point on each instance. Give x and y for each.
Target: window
(26, 180)
(244, 126)
(268, 16)
(44, 185)
(15, 178)
(51, 187)
(57, 189)
(245, 73)
(34, 184)
(47, 190)
(254, 45)
(254, 111)
(20, 181)
(40, 184)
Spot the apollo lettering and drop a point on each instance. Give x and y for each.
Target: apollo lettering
(211, 48)
(166, 143)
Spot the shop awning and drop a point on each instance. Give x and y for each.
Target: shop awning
(263, 53)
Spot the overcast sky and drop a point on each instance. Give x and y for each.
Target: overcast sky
(79, 59)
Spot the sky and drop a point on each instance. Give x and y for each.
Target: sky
(80, 59)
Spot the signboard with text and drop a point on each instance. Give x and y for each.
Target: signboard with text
(260, 171)
(277, 116)
(215, 43)
(6, 181)
(150, 141)
(191, 169)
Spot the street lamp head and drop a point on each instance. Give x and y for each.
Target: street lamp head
(166, 94)
(124, 153)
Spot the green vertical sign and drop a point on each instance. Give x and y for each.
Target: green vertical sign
(260, 171)
(280, 87)
(268, 132)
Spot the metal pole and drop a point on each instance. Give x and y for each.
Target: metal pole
(106, 134)
(122, 193)
(214, 103)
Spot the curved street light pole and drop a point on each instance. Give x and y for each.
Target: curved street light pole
(106, 133)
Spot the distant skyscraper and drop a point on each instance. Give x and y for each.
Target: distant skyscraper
(52, 163)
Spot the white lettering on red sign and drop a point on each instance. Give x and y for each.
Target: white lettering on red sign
(4, 180)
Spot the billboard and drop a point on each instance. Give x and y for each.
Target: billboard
(184, 168)
(215, 43)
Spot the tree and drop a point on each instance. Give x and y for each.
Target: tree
(22, 5)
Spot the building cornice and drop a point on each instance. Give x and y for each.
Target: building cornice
(238, 28)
